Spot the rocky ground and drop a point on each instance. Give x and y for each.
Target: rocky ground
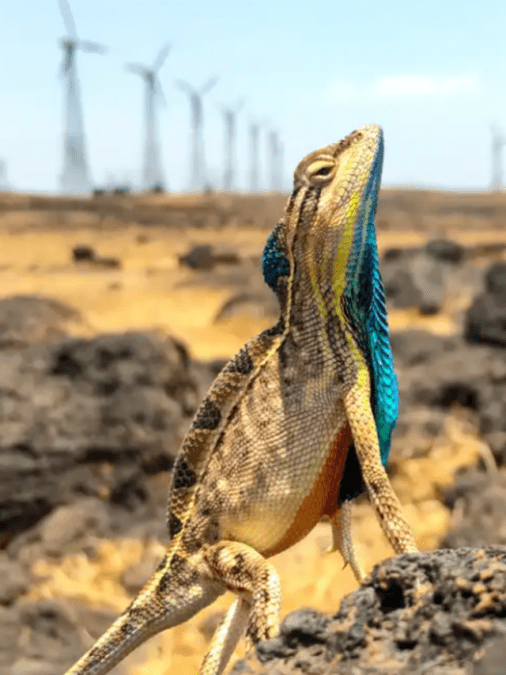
(90, 421)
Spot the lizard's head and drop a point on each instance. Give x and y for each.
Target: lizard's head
(325, 226)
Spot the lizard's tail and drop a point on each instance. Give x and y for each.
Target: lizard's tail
(172, 595)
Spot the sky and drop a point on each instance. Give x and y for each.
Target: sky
(431, 73)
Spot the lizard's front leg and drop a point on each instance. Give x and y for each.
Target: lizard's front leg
(247, 573)
(365, 436)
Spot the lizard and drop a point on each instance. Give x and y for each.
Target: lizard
(294, 427)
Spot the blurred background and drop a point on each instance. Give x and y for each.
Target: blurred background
(146, 151)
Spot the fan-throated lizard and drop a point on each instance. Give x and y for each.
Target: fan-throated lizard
(294, 426)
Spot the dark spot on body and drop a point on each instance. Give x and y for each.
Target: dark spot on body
(127, 628)
(95, 655)
(175, 525)
(263, 595)
(275, 330)
(177, 563)
(162, 564)
(208, 416)
(241, 363)
(164, 584)
(282, 355)
(137, 616)
(183, 476)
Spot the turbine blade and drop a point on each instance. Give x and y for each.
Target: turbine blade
(162, 55)
(68, 19)
(208, 86)
(93, 47)
(137, 69)
(184, 86)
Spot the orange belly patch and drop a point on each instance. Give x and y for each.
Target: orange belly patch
(322, 500)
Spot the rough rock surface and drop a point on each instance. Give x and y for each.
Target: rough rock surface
(419, 614)
(29, 319)
(419, 277)
(485, 320)
(206, 257)
(439, 372)
(68, 407)
(478, 502)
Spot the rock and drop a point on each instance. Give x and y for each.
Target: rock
(32, 667)
(493, 660)
(412, 347)
(80, 253)
(67, 523)
(135, 576)
(446, 250)
(205, 257)
(495, 278)
(30, 319)
(67, 406)
(419, 277)
(255, 305)
(414, 279)
(478, 500)
(485, 320)
(113, 263)
(440, 372)
(416, 614)
(13, 581)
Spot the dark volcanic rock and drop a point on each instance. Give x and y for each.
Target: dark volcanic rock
(205, 257)
(419, 277)
(485, 320)
(439, 372)
(70, 405)
(80, 253)
(29, 319)
(53, 636)
(446, 250)
(478, 500)
(416, 614)
(257, 305)
(415, 278)
(495, 278)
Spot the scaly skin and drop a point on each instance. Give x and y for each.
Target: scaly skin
(284, 422)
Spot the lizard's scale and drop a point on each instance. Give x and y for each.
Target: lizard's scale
(292, 427)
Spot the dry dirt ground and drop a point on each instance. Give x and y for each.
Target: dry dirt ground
(151, 290)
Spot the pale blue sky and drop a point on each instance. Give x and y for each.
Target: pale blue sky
(432, 73)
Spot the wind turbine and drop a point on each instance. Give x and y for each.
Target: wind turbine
(197, 167)
(230, 133)
(275, 160)
(254, 171)
(152, 167)
(4, 183)
(74, 177)
(498, 141)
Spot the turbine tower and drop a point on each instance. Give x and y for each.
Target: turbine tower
(152, 173)
(498, 140)
(4, 183)
(230, 134)
(74, 177)
(198, 177)
(254, 134)
(275, 160)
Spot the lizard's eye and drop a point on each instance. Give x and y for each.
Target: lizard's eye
(321, 171)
